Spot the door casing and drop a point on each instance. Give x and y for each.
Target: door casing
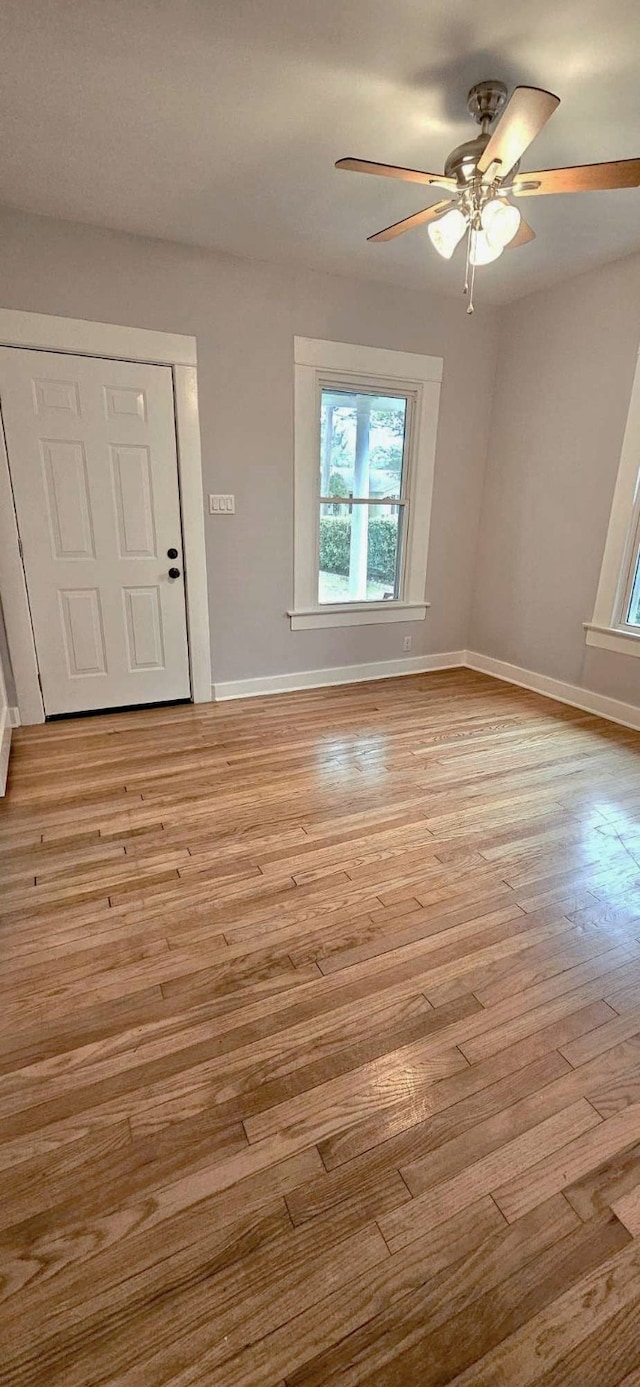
(73, 335)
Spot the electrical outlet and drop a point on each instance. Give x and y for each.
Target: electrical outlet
(222, 505)
(406, 642)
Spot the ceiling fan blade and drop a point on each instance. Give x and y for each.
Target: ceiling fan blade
(524, 116)
(584, 178)
(393, 171)
(418, 219)
(524, 234)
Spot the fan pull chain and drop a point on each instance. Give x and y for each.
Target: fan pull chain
(469, 280)
(466, 264)
(470, 306)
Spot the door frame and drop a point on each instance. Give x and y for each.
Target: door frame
(42, 332)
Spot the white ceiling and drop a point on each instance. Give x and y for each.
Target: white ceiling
(217, 122)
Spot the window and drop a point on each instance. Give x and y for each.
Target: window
(363, 479)
(630, 606)
(365, 428)
(616, 618)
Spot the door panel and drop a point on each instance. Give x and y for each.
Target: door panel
(83, 632)
(92, 457)
(131, 475)
(144, 628)
(61, 395)
(68, 500)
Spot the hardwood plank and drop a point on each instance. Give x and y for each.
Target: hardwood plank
(596, 1017)
(97, 1220)
(237, 1277)
(590, 1304)
(365, 1297)
(492, 1316)
(599, 1358)
(618, 1028)
(422, 924)
(280, 971)
(459, 1152)
(408, 1148)
(485, 1175)
(374, 1086)
(627, 1206)
(495, 1081)
(606, 1184)
(430, 1334)
(563, 1167)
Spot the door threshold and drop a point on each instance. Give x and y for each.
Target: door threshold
(120, 708)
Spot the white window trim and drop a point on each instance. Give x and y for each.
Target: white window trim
(607, 628)
(419, 376)
(46, 333)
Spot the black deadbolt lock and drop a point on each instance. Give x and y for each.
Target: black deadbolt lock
(172, 553)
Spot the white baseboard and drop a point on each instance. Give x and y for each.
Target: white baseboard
(342, 674)
(611, 708)
(14, 717)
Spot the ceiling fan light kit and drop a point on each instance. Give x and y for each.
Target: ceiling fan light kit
(481, 249)
(481, 173)
(500, 219)
(447, 232)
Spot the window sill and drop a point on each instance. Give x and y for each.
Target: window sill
(613, 638)
(357, 614)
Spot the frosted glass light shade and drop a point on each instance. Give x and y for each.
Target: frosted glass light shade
(447, 232)
(500, 220)
(482, 251)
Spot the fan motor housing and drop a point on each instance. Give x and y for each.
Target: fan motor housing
(484, 102)
(462, 162)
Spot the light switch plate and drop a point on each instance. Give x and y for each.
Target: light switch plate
(222, 505)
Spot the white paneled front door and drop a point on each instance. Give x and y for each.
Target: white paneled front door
(92, 457)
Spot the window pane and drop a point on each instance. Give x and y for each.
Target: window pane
(359, 552)
(634, 606)
(362, 443)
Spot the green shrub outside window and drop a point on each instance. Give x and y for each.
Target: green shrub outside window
(335, 541)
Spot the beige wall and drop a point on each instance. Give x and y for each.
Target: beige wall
(563, 382)
(245, 315)
(515, 552)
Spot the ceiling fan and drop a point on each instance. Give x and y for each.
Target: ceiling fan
(481, 173)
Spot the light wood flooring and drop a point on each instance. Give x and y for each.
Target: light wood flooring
(320, 1044)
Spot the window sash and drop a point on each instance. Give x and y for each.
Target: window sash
(345, 386)
(635, 584)
(348, 385)
(629, 570)
(631, 578)
(401, 551)
(401, 557)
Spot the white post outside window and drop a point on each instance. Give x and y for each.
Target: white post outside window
(326, 452)
(358, 553)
